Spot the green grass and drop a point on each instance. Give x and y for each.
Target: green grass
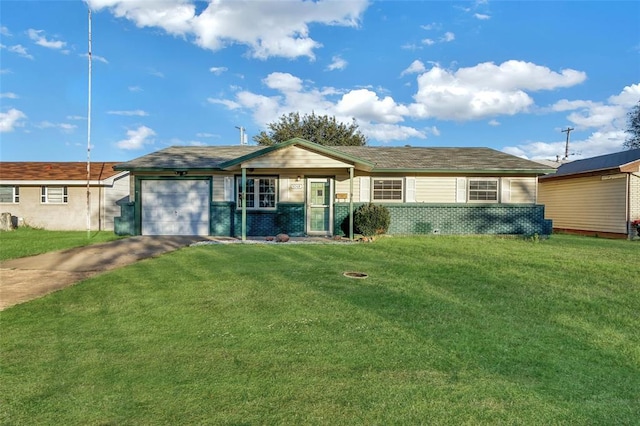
(445, 330)
(27, 241)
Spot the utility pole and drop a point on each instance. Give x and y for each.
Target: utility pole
(89, 137)
(566, 146)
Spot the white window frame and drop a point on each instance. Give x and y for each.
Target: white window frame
(470, 183)
(386, 200)
(45, 197)
(256, 194)
(15, 194)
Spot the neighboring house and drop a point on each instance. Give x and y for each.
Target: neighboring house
(595, 196)
(302, 188)
(53, 195)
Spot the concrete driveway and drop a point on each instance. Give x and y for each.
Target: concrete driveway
(31, 277)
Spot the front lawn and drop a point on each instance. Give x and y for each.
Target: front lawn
(27, 241)
(445, 330)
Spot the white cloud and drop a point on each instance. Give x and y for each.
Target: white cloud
(597, 143)
(135, 88)
(156, 73)
(4, 31)
(18, 49)
(415, 67)
(494, 123)
(267, 28)
(428, 42)
(11, 119)
(589, 114)
(94, 57)
(132, 113)
(431, 26)
(485, 90)
(605, 121)
(229, 104)
(41, 40)
(447, 37)
(205, 135)
(5, 71)
(218, 70)
(337, 64)
(479, 92)
(65, 127)
(76, 117)
(136, 138)
(8, 95)
(365, 105)
(481, 16)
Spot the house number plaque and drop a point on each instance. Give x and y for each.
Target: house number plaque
(296, 186)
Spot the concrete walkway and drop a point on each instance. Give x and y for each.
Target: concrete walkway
(31, 277)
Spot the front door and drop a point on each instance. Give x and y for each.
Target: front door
(319, 206)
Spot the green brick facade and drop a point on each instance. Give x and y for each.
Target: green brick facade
(409, 219)
(406, 219)
(288, 218)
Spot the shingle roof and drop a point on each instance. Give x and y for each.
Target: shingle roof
(27, 170)
(440, 158)
(602, 162)
(384, 158)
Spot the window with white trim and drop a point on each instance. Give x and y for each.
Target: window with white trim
(261, 193)
(54, 195)
(483, 190)
(9, 194)
(387, 189)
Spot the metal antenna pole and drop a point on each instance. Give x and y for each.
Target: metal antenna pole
(89, 137)
(566, 146)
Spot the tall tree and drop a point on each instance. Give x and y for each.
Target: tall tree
(633, 128)
(320, 129)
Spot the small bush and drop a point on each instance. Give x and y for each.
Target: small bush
(371, 219)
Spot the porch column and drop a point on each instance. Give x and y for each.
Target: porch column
(351, 203)
(244, 204)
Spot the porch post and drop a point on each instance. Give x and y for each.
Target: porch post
(244, 204)
(351, 203)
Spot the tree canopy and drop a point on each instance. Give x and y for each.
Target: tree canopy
(320, 129)
(633, 128)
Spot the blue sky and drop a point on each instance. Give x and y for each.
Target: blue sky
(505, 75)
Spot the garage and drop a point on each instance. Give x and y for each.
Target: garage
(175, 207)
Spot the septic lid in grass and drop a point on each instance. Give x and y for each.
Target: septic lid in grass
(360, 275)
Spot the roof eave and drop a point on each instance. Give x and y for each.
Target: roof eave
(359, 162)
(466, 171)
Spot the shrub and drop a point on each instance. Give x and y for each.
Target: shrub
(371, 219)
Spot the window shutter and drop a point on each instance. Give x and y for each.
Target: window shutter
(410, 196)
(365, 189)
(505, 187)
(228, 188)
(461, 190)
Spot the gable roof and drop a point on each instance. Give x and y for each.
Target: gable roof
(376, 159)
(52, 171)
(617, 161)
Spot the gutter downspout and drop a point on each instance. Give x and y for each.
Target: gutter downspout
(244, 204)
(351, 203)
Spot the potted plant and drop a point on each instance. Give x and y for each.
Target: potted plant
(636, 224)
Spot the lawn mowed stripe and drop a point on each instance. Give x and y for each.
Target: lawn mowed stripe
(445, 331)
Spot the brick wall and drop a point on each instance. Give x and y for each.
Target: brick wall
(408, 219)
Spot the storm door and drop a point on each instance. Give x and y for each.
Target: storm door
(319, 206)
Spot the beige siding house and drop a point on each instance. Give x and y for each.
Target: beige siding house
(595, 196)
(302, 188)
(53, 195)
